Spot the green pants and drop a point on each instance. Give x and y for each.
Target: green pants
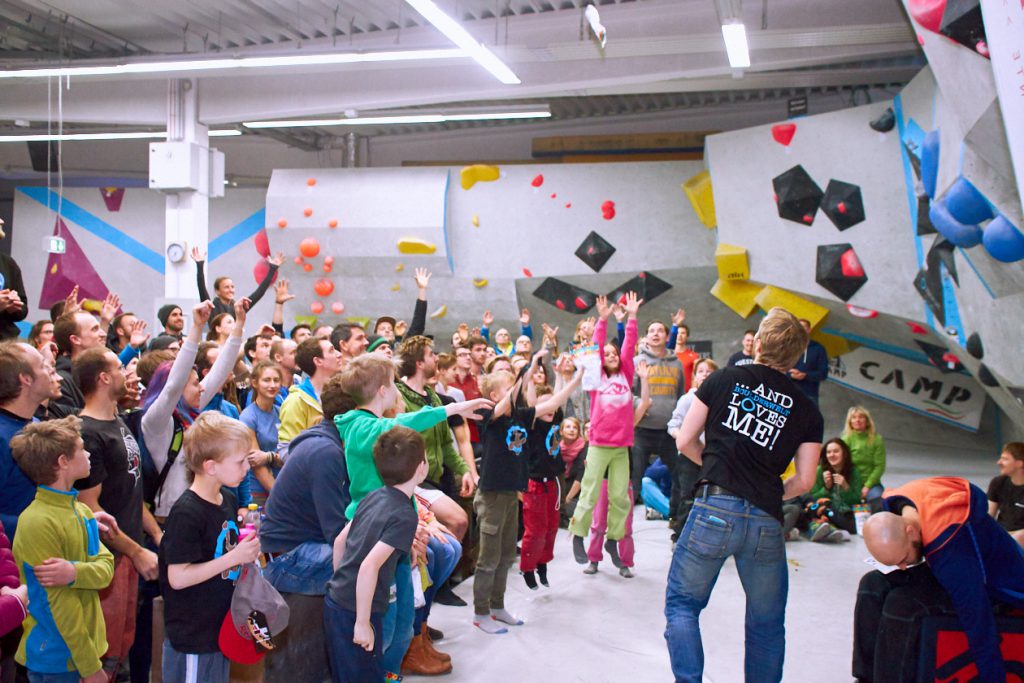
(498, 516)
(602, 462)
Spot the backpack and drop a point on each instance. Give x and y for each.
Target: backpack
(152, 478)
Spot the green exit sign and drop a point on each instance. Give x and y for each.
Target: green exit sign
(56, 245)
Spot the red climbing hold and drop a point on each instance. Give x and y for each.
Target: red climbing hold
(841, 207)
(808, 218)
(861, 312)
(538, 180)
(568, 205)
(559, 304)
(783, 133)
(915, 328)
(580, 303)
(527, 273)
(851, 264)
(608, 210)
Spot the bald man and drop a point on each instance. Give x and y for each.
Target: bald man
(970, 561)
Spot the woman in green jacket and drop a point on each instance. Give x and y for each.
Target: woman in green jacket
(837, 487)
(867, 450)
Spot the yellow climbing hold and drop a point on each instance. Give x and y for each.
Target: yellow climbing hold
(415, 245)
(739, 295)
(476, 221)
(441, 312)
(400, 267)
(478, 173)
(770, 297)
(395, 287)
(53, 269)
(479, 282)
(732, 262)
(698, 189)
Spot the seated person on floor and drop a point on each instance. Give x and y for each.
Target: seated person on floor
(1006, 492)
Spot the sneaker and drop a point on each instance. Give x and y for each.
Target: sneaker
(820, 531)
(542, 574)
(435, 634)
(531, 580)
(625, 573)
(578, 551)
(793, 535)
(591, 569)
(612, 548)
(446, 596)
(838, 536)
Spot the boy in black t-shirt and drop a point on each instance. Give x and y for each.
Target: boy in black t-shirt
(200, 551)
(754, 418)
(1006, 492)
(365, 556)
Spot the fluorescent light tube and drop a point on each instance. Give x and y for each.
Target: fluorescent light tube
(184, 65)
(399, 119)
(461, 37)
(71, 137)
(735, 35)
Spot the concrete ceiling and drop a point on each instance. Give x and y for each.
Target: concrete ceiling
(661, 56)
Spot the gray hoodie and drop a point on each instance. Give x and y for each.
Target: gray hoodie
(667, 385)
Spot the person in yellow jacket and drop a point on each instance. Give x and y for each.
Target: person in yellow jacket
(60, 558)
(319, 360)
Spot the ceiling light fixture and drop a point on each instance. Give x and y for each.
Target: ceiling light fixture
(461, 37)
(383, 119)
(734, 33)
(186, 65)
(135, 135)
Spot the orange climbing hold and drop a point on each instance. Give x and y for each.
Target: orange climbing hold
(316, 307)
(282, 223)
(307, 267)
(333, 223)
(307, 212)
(309, 247)
(323, 287)
(311, 181)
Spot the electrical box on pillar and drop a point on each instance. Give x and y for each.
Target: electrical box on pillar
(177, 166)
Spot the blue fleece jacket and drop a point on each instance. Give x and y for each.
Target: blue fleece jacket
(16, 490)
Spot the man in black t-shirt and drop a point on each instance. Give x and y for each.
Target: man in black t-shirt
(114, 484)
(754, 418)
(744, 356)
(1006, 492)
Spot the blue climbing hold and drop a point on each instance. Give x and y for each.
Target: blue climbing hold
(1003, 241)
(959, 234)
(966, 203)
(930, 162)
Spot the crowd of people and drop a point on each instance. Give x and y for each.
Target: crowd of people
(365, 474)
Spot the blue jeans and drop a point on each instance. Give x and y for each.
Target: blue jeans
(875, 492)
(350, 662)
(69, 677)
(304, 569)
(397, 623)
(441, 561)
(720, 526)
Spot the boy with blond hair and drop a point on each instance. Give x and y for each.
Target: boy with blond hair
(60, 558)
(201, 549)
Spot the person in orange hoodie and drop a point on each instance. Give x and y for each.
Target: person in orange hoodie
(943, 521)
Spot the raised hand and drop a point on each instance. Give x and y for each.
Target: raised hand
(642, 369)
(277, 260)
(281, 293)
(679, 317)
(71, 302)
(109, 310)
(422, 278)
(603, 309)
(201, 313)
(401, 327)
(241, 308)
(619, 312)
(632, 304)
(488, 318)
(198, 256)
(467, 409)
(138, 335)
(524, 317)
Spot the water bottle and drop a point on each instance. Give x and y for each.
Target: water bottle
(252, 517)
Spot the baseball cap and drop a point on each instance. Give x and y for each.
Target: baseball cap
(258, 613)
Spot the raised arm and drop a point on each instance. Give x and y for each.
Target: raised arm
(524, 323)
(258, 293)
(200, 258)
(227, 358)
(645, 393)
(558, 399)
(281, 297)
(629, 343)
(419, 313)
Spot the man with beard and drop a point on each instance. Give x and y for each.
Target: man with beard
(114, 484)
(969, 561)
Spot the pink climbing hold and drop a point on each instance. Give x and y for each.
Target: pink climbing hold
(337, 308)
(260, 271)
(783, 133)
(316, 307)
(841, 207)
(559, 304)
(928, 13)
(538, 180)
(851, 264)
(580, 303)
(262, 244)
(553, 195)
(608, 210)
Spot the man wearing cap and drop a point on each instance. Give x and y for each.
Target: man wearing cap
(171, 317)
(389, 328)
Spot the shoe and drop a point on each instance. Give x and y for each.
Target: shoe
(612, 548)
(592, 569)
(542, 575)
(792, 535)
(435, 634)
(838, 536)
(446, 596)
(578, 551)
(429, 645)
(625, 573)
(421, 660)
(820, 531)
(531, 580)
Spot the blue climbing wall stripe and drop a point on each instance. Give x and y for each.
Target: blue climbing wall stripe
(967, 257)
(237, 234)
(891, 349)
(98, 227)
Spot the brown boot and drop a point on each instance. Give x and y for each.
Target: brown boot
(419, 660)
(429, 644)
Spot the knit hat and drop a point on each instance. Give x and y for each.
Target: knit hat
(165, 312)
(377, 343)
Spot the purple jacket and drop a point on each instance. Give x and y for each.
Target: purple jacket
(12, 612)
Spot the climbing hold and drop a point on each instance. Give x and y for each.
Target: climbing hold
(1003, 241)
(595, 251)
(309, 247)
(476, 221)
(299, 260)
(328, 267)
(930, 162)
(329, 260)
(556, 292)
(962, 23)
(608, 210)
(553, 195)
(527, 272)
(858, 312)
(559, 304)
(916, 328)
(415, 245)
(927, 13)
(538, 180)
(311, 181)
(646, 285)
(966, 204)
(940, 357)
(732, 262)
(440, 312)
(959, 234)
(282, 223)
(783, 133)
(400, 267)
(262, 244)
(323, 287)
(307, 267)
(479, 282)
(738, 295)
(307, 212)
(843, 204)
(395, 287)
(568, 205)
(581, 303)
(839, 270)
(986, 377)
(478, 173)
(260, 270)
(316, 307)
(770, 297)
(333, 223)
(884, 122)
(337, 308)
(975, 347)
(698, 191)
(797, 196)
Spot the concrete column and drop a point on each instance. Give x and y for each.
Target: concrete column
(187, 215)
